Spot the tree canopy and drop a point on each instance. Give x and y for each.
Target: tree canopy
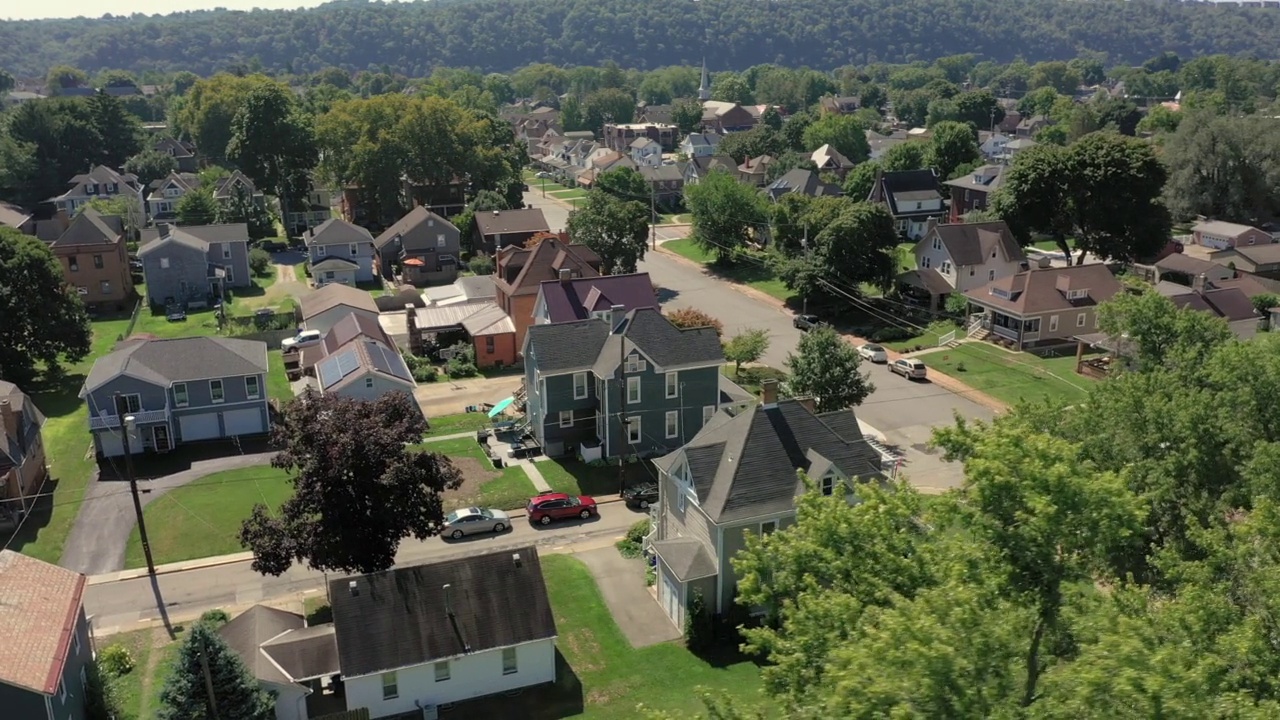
(617, 230)
(828, 369)
(45, 320)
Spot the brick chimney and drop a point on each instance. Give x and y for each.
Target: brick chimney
(9, 416)
(565, 275)
(769, 394)
(1200, 283)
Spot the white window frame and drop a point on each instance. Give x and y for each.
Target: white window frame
(1053, 323)
(768, 527)
(440, 240)
(390, 686)
(708, 412)
(926, 262)
(75, 637)
(566, 418)
(580, 378)
(510, 661)
(673, 423)
(442, 671)
(164, 263)
(256, 391)
(322, 251)
(132, 403)
(937, 243)
(214, 399)
(354, 249)
(1080, 320)
(186, 398)
(368, 383)
(681, 497)
(673, 384)
(634, 433)
(226, 251)
(828, 484)
(991, 275)
(635, 363)
(946, 267)
(633, 390)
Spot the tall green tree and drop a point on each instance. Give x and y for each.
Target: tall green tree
(686, 115)
(1224, 167)
(209, 108)
(150, 165)
(951, 145)
(829, 369)
(910, 155)
(726, 214)
(45, 320)
(196, 208)
(63, 77)
(236, 692)
(617, 230)
(747, 346)
(842, 132)
(611, 105)
(623, 183)
(273, 143)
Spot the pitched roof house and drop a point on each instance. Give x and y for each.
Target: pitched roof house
(45, 647)
(755, 171)
(100, 182)
(973, 191)
(163, 194)
(913, 198)
(1263, 260)
(1044, 305)
(286, 657)
(183, 153)
(340, 252)
(805, 182)
(738, 476)
(22, 461)
(960, 257)
(94, 257)
(425, 245)
(1222, 235)
(696, 145)
(572, 299)
(323, 307)
(1231, 304)
(499, 229)
(520, 272)
(699, 167)
(828, 159)
(192, 264)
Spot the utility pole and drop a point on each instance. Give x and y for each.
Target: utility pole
(126, 422)
(804, 243)
(208, 681)
(653, 218)
(623, 423)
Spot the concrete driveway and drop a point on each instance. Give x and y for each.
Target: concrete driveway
(621, 582)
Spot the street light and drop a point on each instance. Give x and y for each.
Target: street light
(127, 427)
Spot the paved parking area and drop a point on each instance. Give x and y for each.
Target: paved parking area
(621, 582)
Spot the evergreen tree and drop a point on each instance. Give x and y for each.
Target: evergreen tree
(236, 693)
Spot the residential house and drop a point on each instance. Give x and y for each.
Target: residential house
(178, 391)
(627, 383)
(654, 114)
(961, 257)
(500, 229)
(352, 326)
(415, 638)
(1222, 235)
(100, 182)
(646, 152)
(1016, 146)
(726, 117)
(445, 199)
(699, 167)
(183, 153)
(805, 182)
(163, 194)
(323, 307)
(237, 185)
(94, 258)
(1012, 118)
(972, 192)
(366, 366)
(582, 298)
(424, 247)
(829, 160)
(621, 136)
(12, 216)
(1044, 305)
(913, 198)
(340, 252)
(287, 658)
(46, 650)
(309, 211)
(489, 330)
(1230, 304)
(18, 97)
(601, 161)
(189, 265)
(666, 184)
(992, 145)
(1182, 269)
(1262, 260)
(520, 272)
(699, 145)
(839, 105)
(755, 171)
(22, 461)
(880, 144)
(1029, 126)
(737, 477)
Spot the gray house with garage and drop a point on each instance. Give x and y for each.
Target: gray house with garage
(178, 391)
(622, 384)
(194, 264)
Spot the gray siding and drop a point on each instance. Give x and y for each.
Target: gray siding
(185, 280)
(381, 384)
(697, 389)
(102, 400)
(200, 396)
(559, 397)
(732, 541)
(422, 241)
(363, 257)
(30, 705)
(690, 523)
(239, 262)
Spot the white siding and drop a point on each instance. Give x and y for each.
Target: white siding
(358, 388)
(290, 702)
(469, 677)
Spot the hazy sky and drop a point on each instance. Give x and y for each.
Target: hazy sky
(28, 10)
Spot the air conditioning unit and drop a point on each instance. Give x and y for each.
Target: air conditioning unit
(430, 712)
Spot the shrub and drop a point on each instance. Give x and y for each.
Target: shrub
(480, 265)
(421, 369)
(215, 618)
(260, 261)
(638, 530)
(699, 630)
(891, 334)
(463, 361)
(650, 576)
(694, 318)
(116, 660)
(960, 367)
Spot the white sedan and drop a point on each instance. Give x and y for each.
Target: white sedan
(873, 353)
(473, 520)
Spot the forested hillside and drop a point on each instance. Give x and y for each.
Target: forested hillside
(499, 35)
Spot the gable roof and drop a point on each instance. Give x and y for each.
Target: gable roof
(1193, 266)
(40, 604)
(745, 465)
(99, 175)
(893, 188)
(184, 181)
(13, 448)
(414, 219)
(91, 227)
(501, 222)
(1231, 304)
(246, 633)
(331, 296)
(973, 243)
(164, 361)
(362, 353)
(577, 298)
(402, 617)
(647, 331)
(197, 237)
(827, 155)
(544, 262)
(986, 178)
(13, 216)
(224, 186)
(703, 139)
(706, 164)
(336, 231)
(802, 181)
(1265, 254)
(352, 326)
(662, 173)
(1220, 227)
(1036, 291)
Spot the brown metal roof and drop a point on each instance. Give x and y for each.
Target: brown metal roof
(501, 222)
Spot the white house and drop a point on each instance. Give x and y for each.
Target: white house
(423, 636)
(646, 152)
(162, 201)
(993, 146)
(696, 145)
(101, 182)
(961, 257)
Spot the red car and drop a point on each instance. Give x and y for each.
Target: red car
(559, 506)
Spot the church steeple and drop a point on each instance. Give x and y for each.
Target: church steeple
(704, 90)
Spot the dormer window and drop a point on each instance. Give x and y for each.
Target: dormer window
(829, 484)
(1000, 293)
(635, 363)
(937, 243)
(1077, 294)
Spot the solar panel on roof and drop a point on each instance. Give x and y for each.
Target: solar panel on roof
(327, 369)
(348, 362)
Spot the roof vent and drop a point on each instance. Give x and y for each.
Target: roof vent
(353, 588)
(515, 560)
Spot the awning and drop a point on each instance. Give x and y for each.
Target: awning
(414, 261)
(502, 405)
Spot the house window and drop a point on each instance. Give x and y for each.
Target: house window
(566, 418)
(105, 287)
(231, 276)
(353, 249)
(390, 688)
(946, 267)
(708, 412)
(633, 429)
(829, 484)
(928, 261)
(251, 387)
(215, 390)
(937, 243)
(440, 240)
(368, 383)
(132, 403)
(509, 666)
(97, 261)
(180, 395)
(635, 363)
(74, 263)
(680, 499)
(322, 251)
(442, 671)
(1080, 320)
(84, 678)
(970, 272)
(673, 423)
(673, 386)
(164, 263)
(75, 636)
(489, 344)
(1053, 323)
(579, 386)
(633, 390)
(226, 251)
(991, 275)
(768, 527)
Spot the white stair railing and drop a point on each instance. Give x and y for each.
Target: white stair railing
(944, 340)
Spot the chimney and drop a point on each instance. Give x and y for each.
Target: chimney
(1043, 262)
(1199, 283)
(930, 224)
(515, 560)
(10, 418)
(808, 404)
(353, 589)
(769, 394)
(565, 275)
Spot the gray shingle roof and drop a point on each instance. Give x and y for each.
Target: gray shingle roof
(336, 231)
(686, 557)
(90, 227)
(665, 344)
(973, 243)
(305, 653)
(745, 465)
(246, 633)
(563, 347)
(165, 361)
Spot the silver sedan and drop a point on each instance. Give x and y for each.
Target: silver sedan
(473, 520)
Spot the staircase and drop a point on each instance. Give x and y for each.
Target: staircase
(977, 329)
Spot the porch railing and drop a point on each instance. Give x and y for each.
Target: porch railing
(947, 338)
(103, 422)
(976, 323)
(1005, 332)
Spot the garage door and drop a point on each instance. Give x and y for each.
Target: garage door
(113, 447)
(671, 598)
(243, 422)
(199, 427)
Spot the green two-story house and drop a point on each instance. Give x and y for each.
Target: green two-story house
(622, 384)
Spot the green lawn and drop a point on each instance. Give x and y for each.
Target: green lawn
(906, 256)
(571, 194)
(927, 337)
(506, 489)
(668, 219)
(1011, 377)
(615, 677)
(578, 478)
(752, 271)
(277, 380)
(752, 376)
(459, 423)
(203, 519)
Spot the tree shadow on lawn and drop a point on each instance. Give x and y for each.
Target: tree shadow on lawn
(147, 466)
(603, 480)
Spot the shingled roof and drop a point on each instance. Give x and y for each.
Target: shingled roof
(40, 604)
(974, 243)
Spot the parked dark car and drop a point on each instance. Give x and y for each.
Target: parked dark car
(641, 496)
(806, 322)
(559, 506)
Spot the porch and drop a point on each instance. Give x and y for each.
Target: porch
(1009, 330)
(104, 421)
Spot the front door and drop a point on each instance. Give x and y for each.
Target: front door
(160, 438)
